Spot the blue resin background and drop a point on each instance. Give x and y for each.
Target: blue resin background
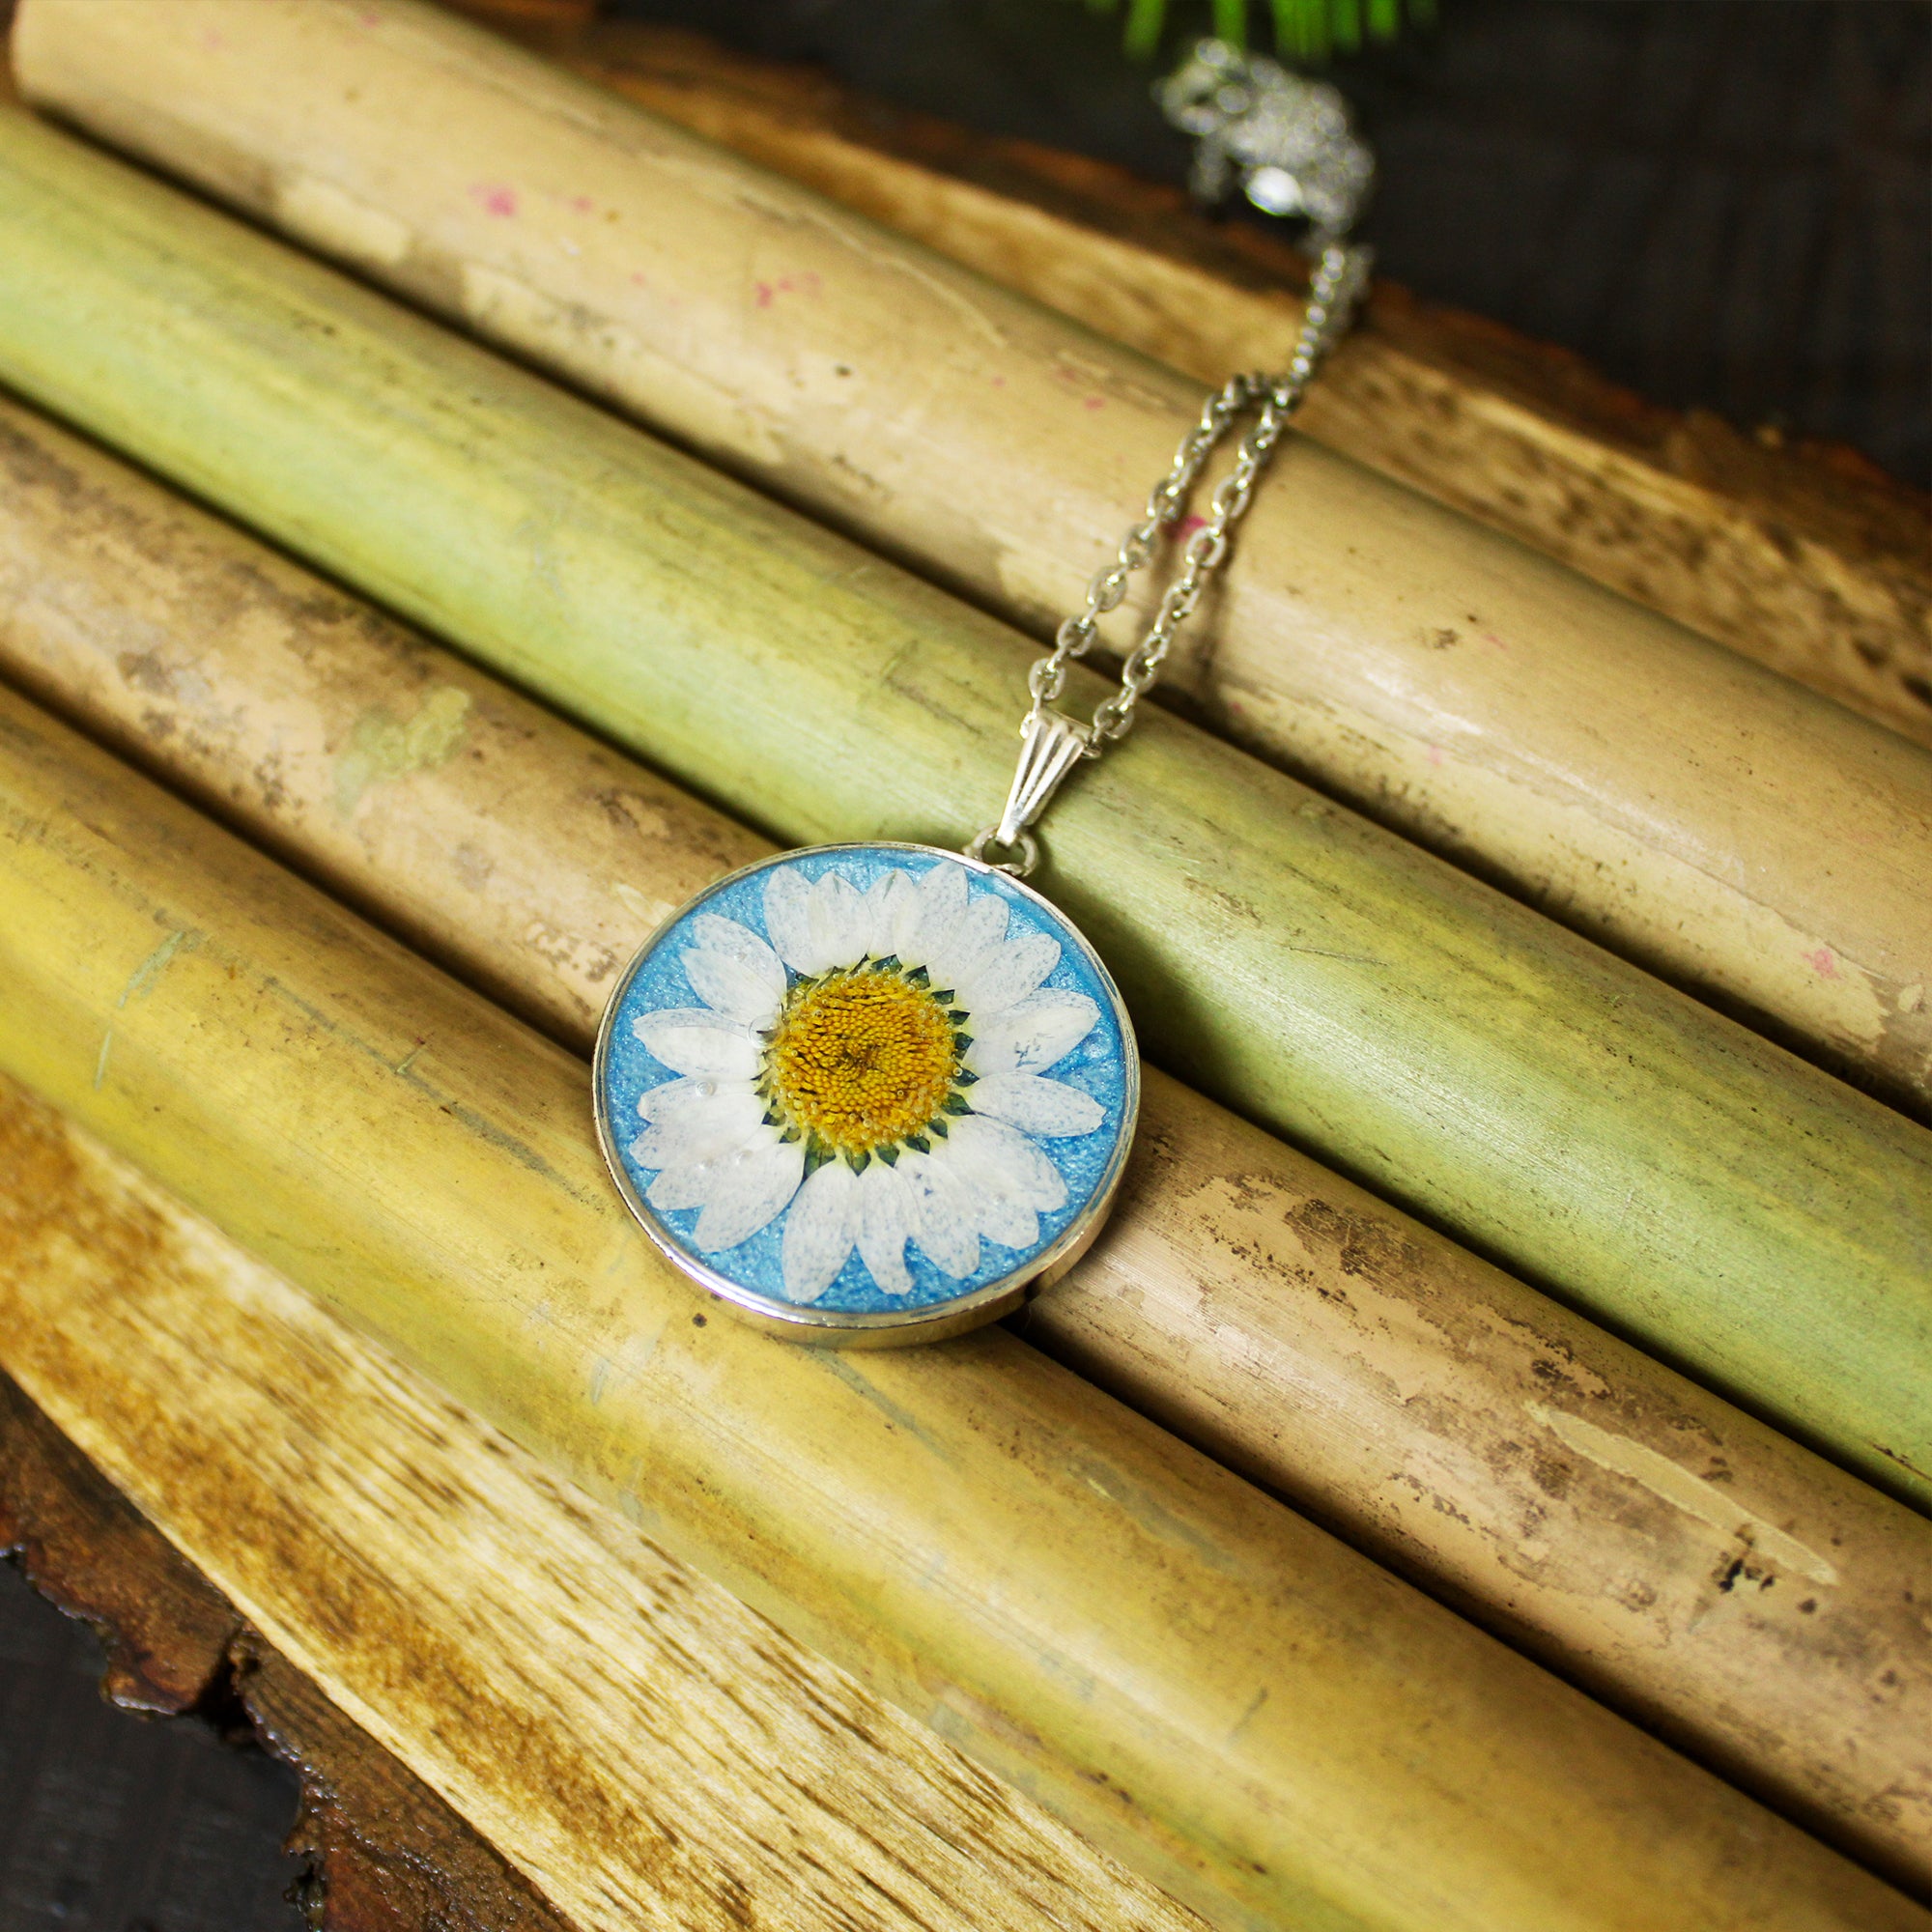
(1097, 1066)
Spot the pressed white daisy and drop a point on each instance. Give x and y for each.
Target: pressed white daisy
(876, 1074)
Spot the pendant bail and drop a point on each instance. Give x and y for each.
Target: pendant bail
(1051, 745)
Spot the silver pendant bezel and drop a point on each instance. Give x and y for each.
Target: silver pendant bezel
(876, 1328)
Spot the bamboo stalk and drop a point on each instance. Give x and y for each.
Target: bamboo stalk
(1659, 794)
(1227, 1699)
(1803, 558)
(1717, 1199)
(610, 1720)
(1703, 1574)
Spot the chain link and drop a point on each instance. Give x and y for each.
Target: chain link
(1339, 276)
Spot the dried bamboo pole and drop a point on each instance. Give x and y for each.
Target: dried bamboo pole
(1748, 1600)
(606, 1717)
(1792, 556)
(1225, 1697)
(1717, 1198)
(1683, 807)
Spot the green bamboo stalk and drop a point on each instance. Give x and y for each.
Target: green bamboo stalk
(1737, 1210)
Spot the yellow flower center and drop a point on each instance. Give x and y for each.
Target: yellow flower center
(862, 1060)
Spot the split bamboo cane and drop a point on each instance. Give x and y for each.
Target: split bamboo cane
(638, 1742)
(1728, 1205)
(1680, 804)
(1733, 1592)
(1224, 1696)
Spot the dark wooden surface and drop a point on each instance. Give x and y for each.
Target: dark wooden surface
(114, 1821)
(110, 1823)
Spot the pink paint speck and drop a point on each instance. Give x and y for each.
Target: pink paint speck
(212, 41)
(1490, 638)
(764, 293)
(1821, 962)
(999, 381)
(637, 278)
(1435, 754)
(1190, 524)
(494, 198)
(1095, 403)
(582, 203)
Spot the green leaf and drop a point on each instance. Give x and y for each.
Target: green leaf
(1145, 20)
(1306, 32)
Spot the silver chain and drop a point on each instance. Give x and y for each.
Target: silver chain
(1339, 278)
(1332, 297)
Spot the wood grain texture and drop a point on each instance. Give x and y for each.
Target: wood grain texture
(390, 1854)
(1710, 1195)
(645, 1748)
(387, 1855)
(1659, 794)
(1802, 557)
(1598, 1510)
(1220, 1694)
(165, 1629)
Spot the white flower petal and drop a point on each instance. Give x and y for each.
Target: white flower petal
(1000, 1217)
(680, 1187)
(698, 1171)
(1049, 1108)
(928, 920)
(1012, 971)
(944, 1221)
(698, 1153)
(1008, 1224)
(700, 1042)
(971, 945)
(1029, 1037)
(989, 1153)
(788, 919)
(733, 971)
(819, 1231)
(702, 1129)
(752, 1185)
(1008, 1180)
(898, 912)
(732, 987)
(677, 1097)
(836, 917)
(885, 1223)
(876, 906)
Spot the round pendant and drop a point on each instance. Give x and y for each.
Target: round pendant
(867, 1093)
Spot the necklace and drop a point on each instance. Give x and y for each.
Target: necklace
(879, 1094)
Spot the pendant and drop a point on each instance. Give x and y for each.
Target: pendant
(868, 1095)
(880, 1094)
